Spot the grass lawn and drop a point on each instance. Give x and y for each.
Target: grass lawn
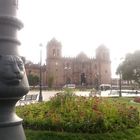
(131, 134)
(127, 100)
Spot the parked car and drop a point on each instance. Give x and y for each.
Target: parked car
(69, 86)
(104, 87)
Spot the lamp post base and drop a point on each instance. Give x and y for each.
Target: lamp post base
(12, 133)
(10, 124)
(40, 98)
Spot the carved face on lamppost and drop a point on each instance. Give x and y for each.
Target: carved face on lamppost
(12, 77)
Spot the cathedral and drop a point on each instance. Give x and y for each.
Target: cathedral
(80, 70)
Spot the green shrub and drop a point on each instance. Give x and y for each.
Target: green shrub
(71, 113)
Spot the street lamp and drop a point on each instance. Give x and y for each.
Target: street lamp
(120, 78)
(40, 99)
(120, 84)
(56, 74)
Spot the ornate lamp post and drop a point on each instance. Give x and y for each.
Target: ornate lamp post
(40, 81)
(13, 80)
(120, 84)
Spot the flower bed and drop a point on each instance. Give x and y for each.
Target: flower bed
(137, 99)
(67, 112)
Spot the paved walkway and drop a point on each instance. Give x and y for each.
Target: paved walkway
(48, 94)
(110, 93)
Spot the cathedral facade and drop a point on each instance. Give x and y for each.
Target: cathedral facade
(80, 70)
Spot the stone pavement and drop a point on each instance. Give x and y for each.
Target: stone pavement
(48, 94)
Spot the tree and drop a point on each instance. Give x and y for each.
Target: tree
(33, 80)
(130, 67)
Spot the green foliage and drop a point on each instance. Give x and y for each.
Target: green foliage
(130, 67)
(68, 112)
(33, 80)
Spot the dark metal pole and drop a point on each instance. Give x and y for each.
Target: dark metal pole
(40, 81)
(120, 93)
(13, 79)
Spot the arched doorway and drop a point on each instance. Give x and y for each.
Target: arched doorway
(83, 79)
(68, 80)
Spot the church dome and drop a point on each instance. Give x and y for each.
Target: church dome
(82, 56)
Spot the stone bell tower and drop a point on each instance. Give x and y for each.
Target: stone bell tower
(54, 55)
(104, 64)
(13, 80)
(54, 49)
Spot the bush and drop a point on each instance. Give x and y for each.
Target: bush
(68, 112)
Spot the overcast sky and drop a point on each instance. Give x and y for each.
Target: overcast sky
(80, 25)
